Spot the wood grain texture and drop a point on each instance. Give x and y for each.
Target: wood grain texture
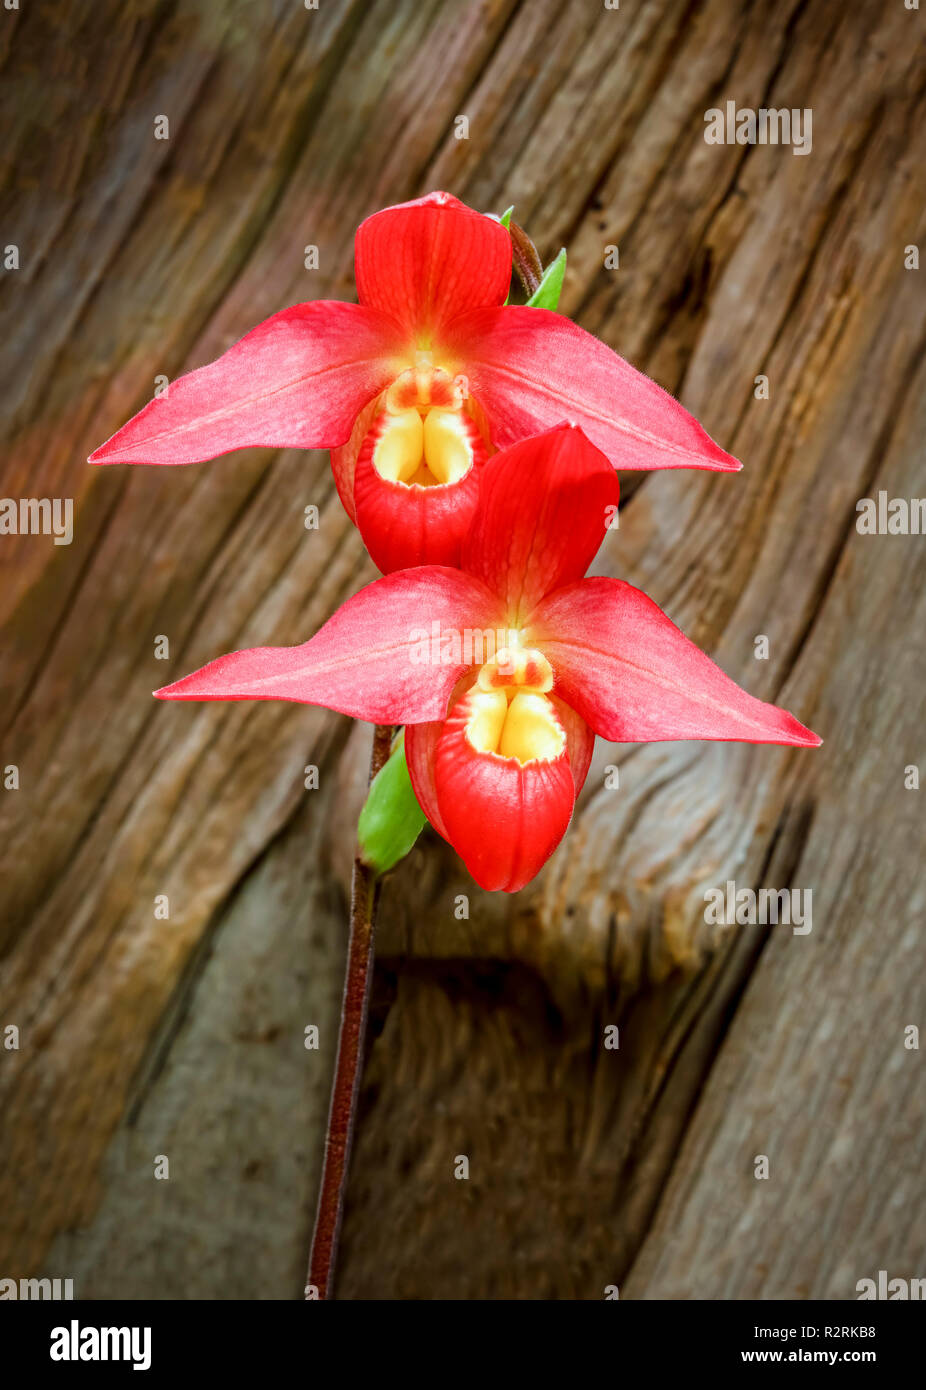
(185, 1037)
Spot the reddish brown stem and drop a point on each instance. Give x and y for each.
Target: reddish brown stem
(364, 897)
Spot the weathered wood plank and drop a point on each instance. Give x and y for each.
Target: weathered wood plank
(141, 1036)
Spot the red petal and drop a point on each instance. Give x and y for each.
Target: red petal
(373, 659)
(542, 515)
(426, 261)
(530, 368)
(503, 818)
(635, 678)
(298, 380)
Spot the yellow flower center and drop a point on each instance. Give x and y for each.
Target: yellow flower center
(510, 713)
(424, 435)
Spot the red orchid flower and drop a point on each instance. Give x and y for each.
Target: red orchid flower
(415, 385)
(504, 670)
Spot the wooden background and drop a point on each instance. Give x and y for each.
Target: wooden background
(142, 1037)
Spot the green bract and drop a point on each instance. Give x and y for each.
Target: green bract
(391, 819)
(547, 293)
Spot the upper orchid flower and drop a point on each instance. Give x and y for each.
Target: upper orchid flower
(505, 669)
(414, 386)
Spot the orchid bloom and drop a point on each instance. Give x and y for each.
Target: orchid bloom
(504, 670)
(416, 385)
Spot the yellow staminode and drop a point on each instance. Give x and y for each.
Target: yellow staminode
(510, 713)
(447, 452)
(424, 436)
(525, 727)
(400, 447)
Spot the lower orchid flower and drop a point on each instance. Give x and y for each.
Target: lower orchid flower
(415, 386)
(505, 670)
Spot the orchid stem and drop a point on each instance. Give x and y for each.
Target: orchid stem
(364, 898)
